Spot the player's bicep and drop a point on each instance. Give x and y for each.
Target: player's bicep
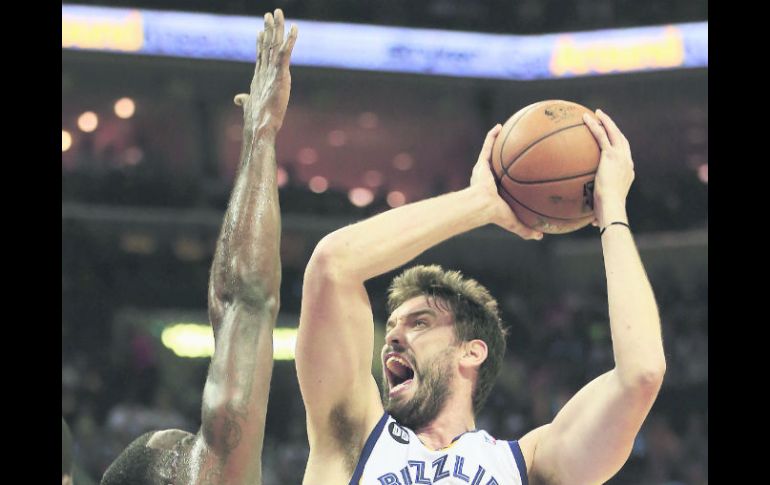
(334, 347)
(591, 437)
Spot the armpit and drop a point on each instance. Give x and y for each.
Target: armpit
(347, 436)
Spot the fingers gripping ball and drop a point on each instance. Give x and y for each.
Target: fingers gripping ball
(545, 160)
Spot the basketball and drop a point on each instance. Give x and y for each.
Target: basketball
(545, 160)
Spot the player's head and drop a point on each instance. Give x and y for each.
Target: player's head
(66, 454)
(441, 325)
(137, 464)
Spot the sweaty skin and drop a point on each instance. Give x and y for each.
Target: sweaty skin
(243, 297)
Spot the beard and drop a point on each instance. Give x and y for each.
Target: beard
(429, 398)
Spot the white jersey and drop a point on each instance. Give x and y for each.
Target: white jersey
(394, 455)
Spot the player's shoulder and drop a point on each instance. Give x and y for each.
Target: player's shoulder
(529, 441)
(518, 453)
(528, 445)
(481, 438)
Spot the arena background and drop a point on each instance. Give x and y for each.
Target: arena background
(144, 192)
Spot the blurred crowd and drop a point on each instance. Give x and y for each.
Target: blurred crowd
(676, 201)
(111, 394)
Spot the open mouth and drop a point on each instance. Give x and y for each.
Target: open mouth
(399, 373)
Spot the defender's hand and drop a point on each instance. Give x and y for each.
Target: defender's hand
(483, 181)
(265, 106)
(616, 170)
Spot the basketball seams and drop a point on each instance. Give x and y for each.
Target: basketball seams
(561, 224)
(531, 145)
(505, 139)
(540, 213)
(562, 179)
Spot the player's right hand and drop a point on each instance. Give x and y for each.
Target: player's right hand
(265, 106)
(483, 181)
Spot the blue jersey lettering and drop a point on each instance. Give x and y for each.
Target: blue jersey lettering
(405, 476)
(479, 475)
(438, 465)
(419, 478)
(389, 479)
(458, 471)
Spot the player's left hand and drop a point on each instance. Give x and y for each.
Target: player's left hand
(616, 169)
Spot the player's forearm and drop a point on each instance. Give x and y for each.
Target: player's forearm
(634, 316)
(244, 300)
(247, 264)
(388, 240)
(237, 386)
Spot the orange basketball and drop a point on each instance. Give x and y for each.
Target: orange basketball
(545, 160)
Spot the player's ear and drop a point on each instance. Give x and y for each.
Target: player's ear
(474, 353)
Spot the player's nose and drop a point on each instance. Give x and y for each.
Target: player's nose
(394, 337)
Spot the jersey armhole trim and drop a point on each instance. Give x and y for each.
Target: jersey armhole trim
(368, 447)
(520, 463)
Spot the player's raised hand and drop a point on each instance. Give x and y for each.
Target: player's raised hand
(265, 105)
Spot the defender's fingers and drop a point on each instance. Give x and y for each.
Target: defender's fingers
(278, 36)
(597, 131)
(288, 45)
(269, 34)
(262, 59)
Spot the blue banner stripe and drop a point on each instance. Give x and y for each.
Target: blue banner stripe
(391, 49)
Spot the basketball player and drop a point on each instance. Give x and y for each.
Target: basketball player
(444, 345)
(243, 304)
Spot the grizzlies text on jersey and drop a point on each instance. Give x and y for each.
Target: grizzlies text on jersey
(394, 455)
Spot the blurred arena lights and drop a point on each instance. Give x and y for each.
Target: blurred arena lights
(282, 177)
(124, 108)
(138, 243)
(307, 156)
(396, 198)
(132, 156)
(695, 160)
(66, 140)
(197, 340)
(88, 121)
(189, 339)
(318, 184)
(703, 173)
(189, 249)
(373, 178)
(284, 342)
(360, 196)
(403, 161)
(337, 138)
